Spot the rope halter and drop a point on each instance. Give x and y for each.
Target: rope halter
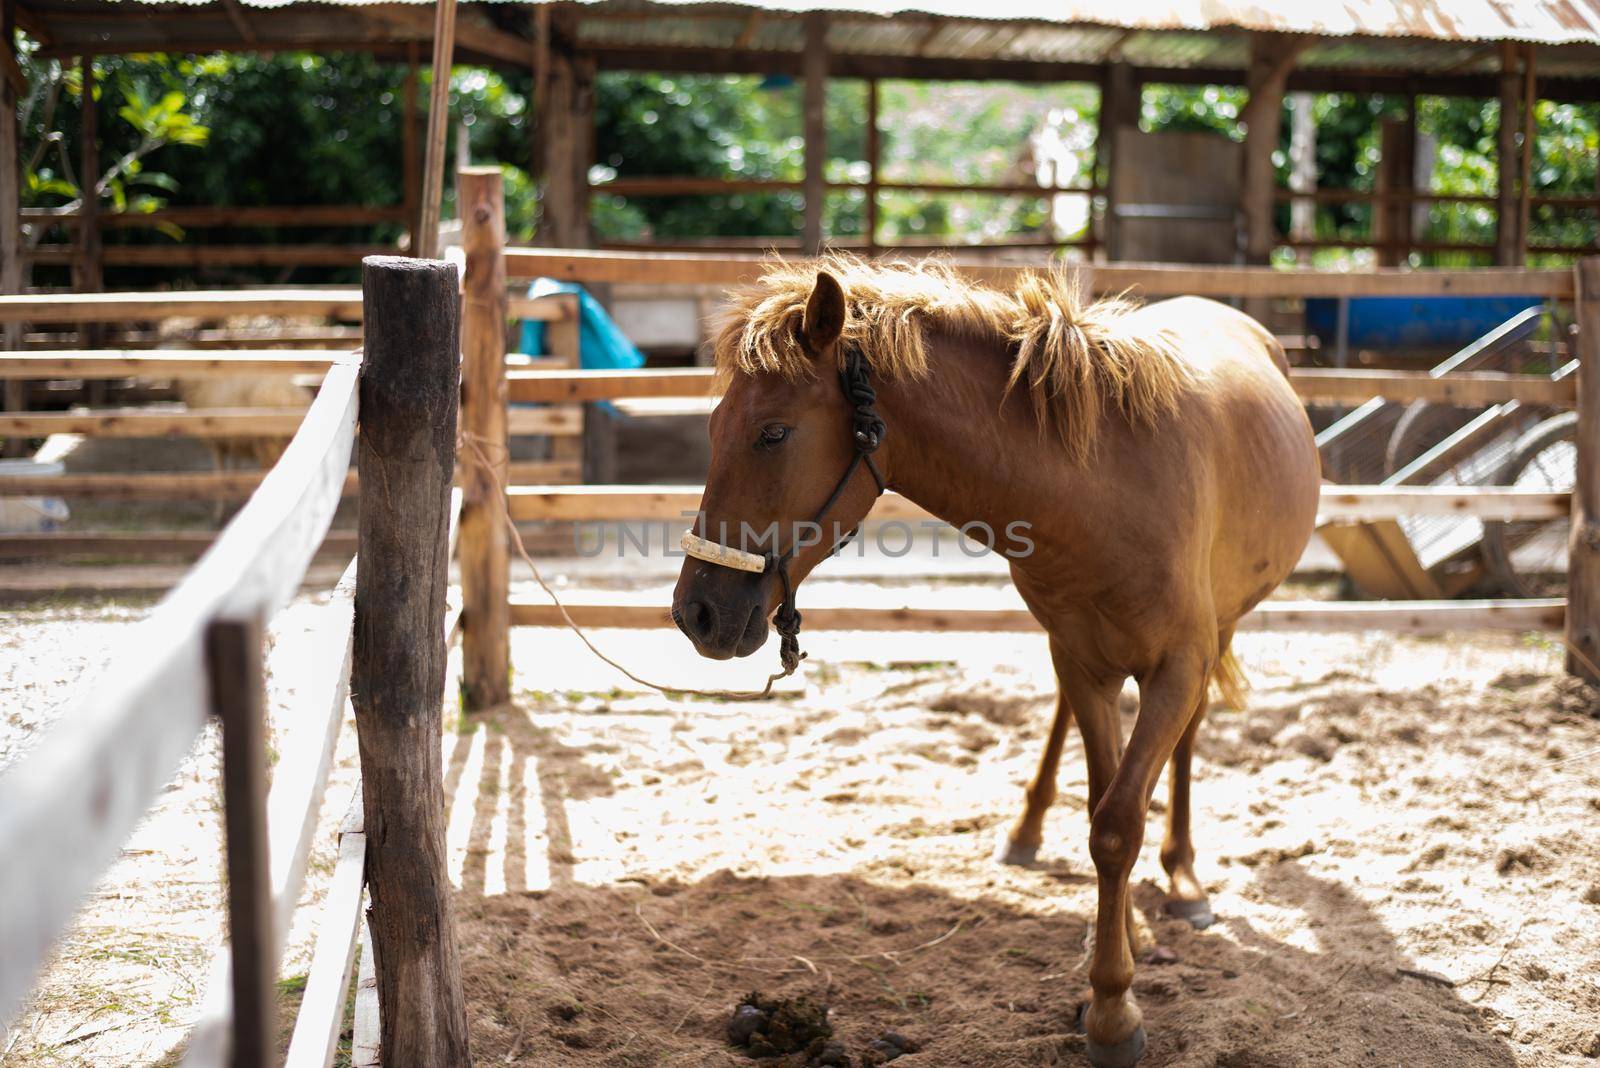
(866, 435)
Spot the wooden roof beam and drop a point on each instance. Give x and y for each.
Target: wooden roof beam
(240, 23)
(747, 35)
(939, 68)
(471, 35)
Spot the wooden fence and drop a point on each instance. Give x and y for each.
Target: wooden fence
(69, 804)
(487, 643)
(562, 423)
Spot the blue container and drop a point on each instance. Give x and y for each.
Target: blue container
(1412, 322)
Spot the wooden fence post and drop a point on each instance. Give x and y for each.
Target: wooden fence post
(238, 699)
(11, 269)
(484, 553)
(814, 62)
(407, 453)
(1583, 565)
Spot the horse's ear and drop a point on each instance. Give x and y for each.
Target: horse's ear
(825, 312)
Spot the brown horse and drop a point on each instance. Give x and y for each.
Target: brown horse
(1163, 464)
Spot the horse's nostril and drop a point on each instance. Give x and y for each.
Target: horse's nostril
(697, 619)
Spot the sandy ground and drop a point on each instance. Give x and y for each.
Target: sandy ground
(1398, 838)
(131, 975)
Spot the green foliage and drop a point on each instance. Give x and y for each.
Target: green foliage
(152, 116)
(697, 126)
(1193, 108)
(295, 128)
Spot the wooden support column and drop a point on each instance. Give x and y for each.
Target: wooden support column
(539, 98)
(1272, 57)
(1121, 96)
(91, 268)
(426, 244)
(410, 165)
(1391, 219)
(1583, 565)
(814, 65)
(1530, 129)
(238, 700)
(409, 394)
(566, 124)
(1508, 241)
(485, 558)
(874, 156)
(584, 72)
(10, 206)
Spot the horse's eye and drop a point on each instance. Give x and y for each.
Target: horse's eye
(772, 434)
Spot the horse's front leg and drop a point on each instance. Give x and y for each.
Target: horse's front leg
(1168, 697)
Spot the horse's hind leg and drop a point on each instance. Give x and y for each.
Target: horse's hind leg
(1027, 834)
(1169, 696)
(1186, 898)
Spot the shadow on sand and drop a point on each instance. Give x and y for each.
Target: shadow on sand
(644, 971)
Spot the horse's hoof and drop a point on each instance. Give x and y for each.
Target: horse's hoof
(1198, 913)
(1017, 854)
(1124, 1054)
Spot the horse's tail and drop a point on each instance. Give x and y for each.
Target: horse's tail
(1228, 679)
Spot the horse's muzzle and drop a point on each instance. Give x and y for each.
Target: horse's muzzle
(723, 618)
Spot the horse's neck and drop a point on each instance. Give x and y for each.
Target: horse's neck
(957, 451)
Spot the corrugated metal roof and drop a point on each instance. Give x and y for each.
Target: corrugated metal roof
(1391, 38)
(1542, 21)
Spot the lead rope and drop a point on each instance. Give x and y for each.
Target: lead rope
(474, 443)
(867, 431)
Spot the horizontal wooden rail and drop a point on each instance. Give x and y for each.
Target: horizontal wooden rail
(217, 485)
(555, 422)
(155, 423)
(679, 503)
(1366, 503)
(619, 503)
(219, 216)
(68, 804)
(668, 185)
(197, 304)
(164, 363)
(331, 303)
(230, 422)
(1411, 617)
(190, 255)
(1150, 280)
(1467, 389)
(124, 543)
(561, 385)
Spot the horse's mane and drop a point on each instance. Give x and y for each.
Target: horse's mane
(1074, 356)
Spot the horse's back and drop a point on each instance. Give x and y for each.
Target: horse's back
(1263, 462)
(1213, 333)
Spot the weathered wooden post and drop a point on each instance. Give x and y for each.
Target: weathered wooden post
(483, 550)
(1583, 564)
(1272, 58)
(239, 701)
(409, 390)
(814, 64)
(11, 272)
(1508, 239)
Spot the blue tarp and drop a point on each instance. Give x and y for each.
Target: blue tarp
(1413, 322)
(601, 346)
